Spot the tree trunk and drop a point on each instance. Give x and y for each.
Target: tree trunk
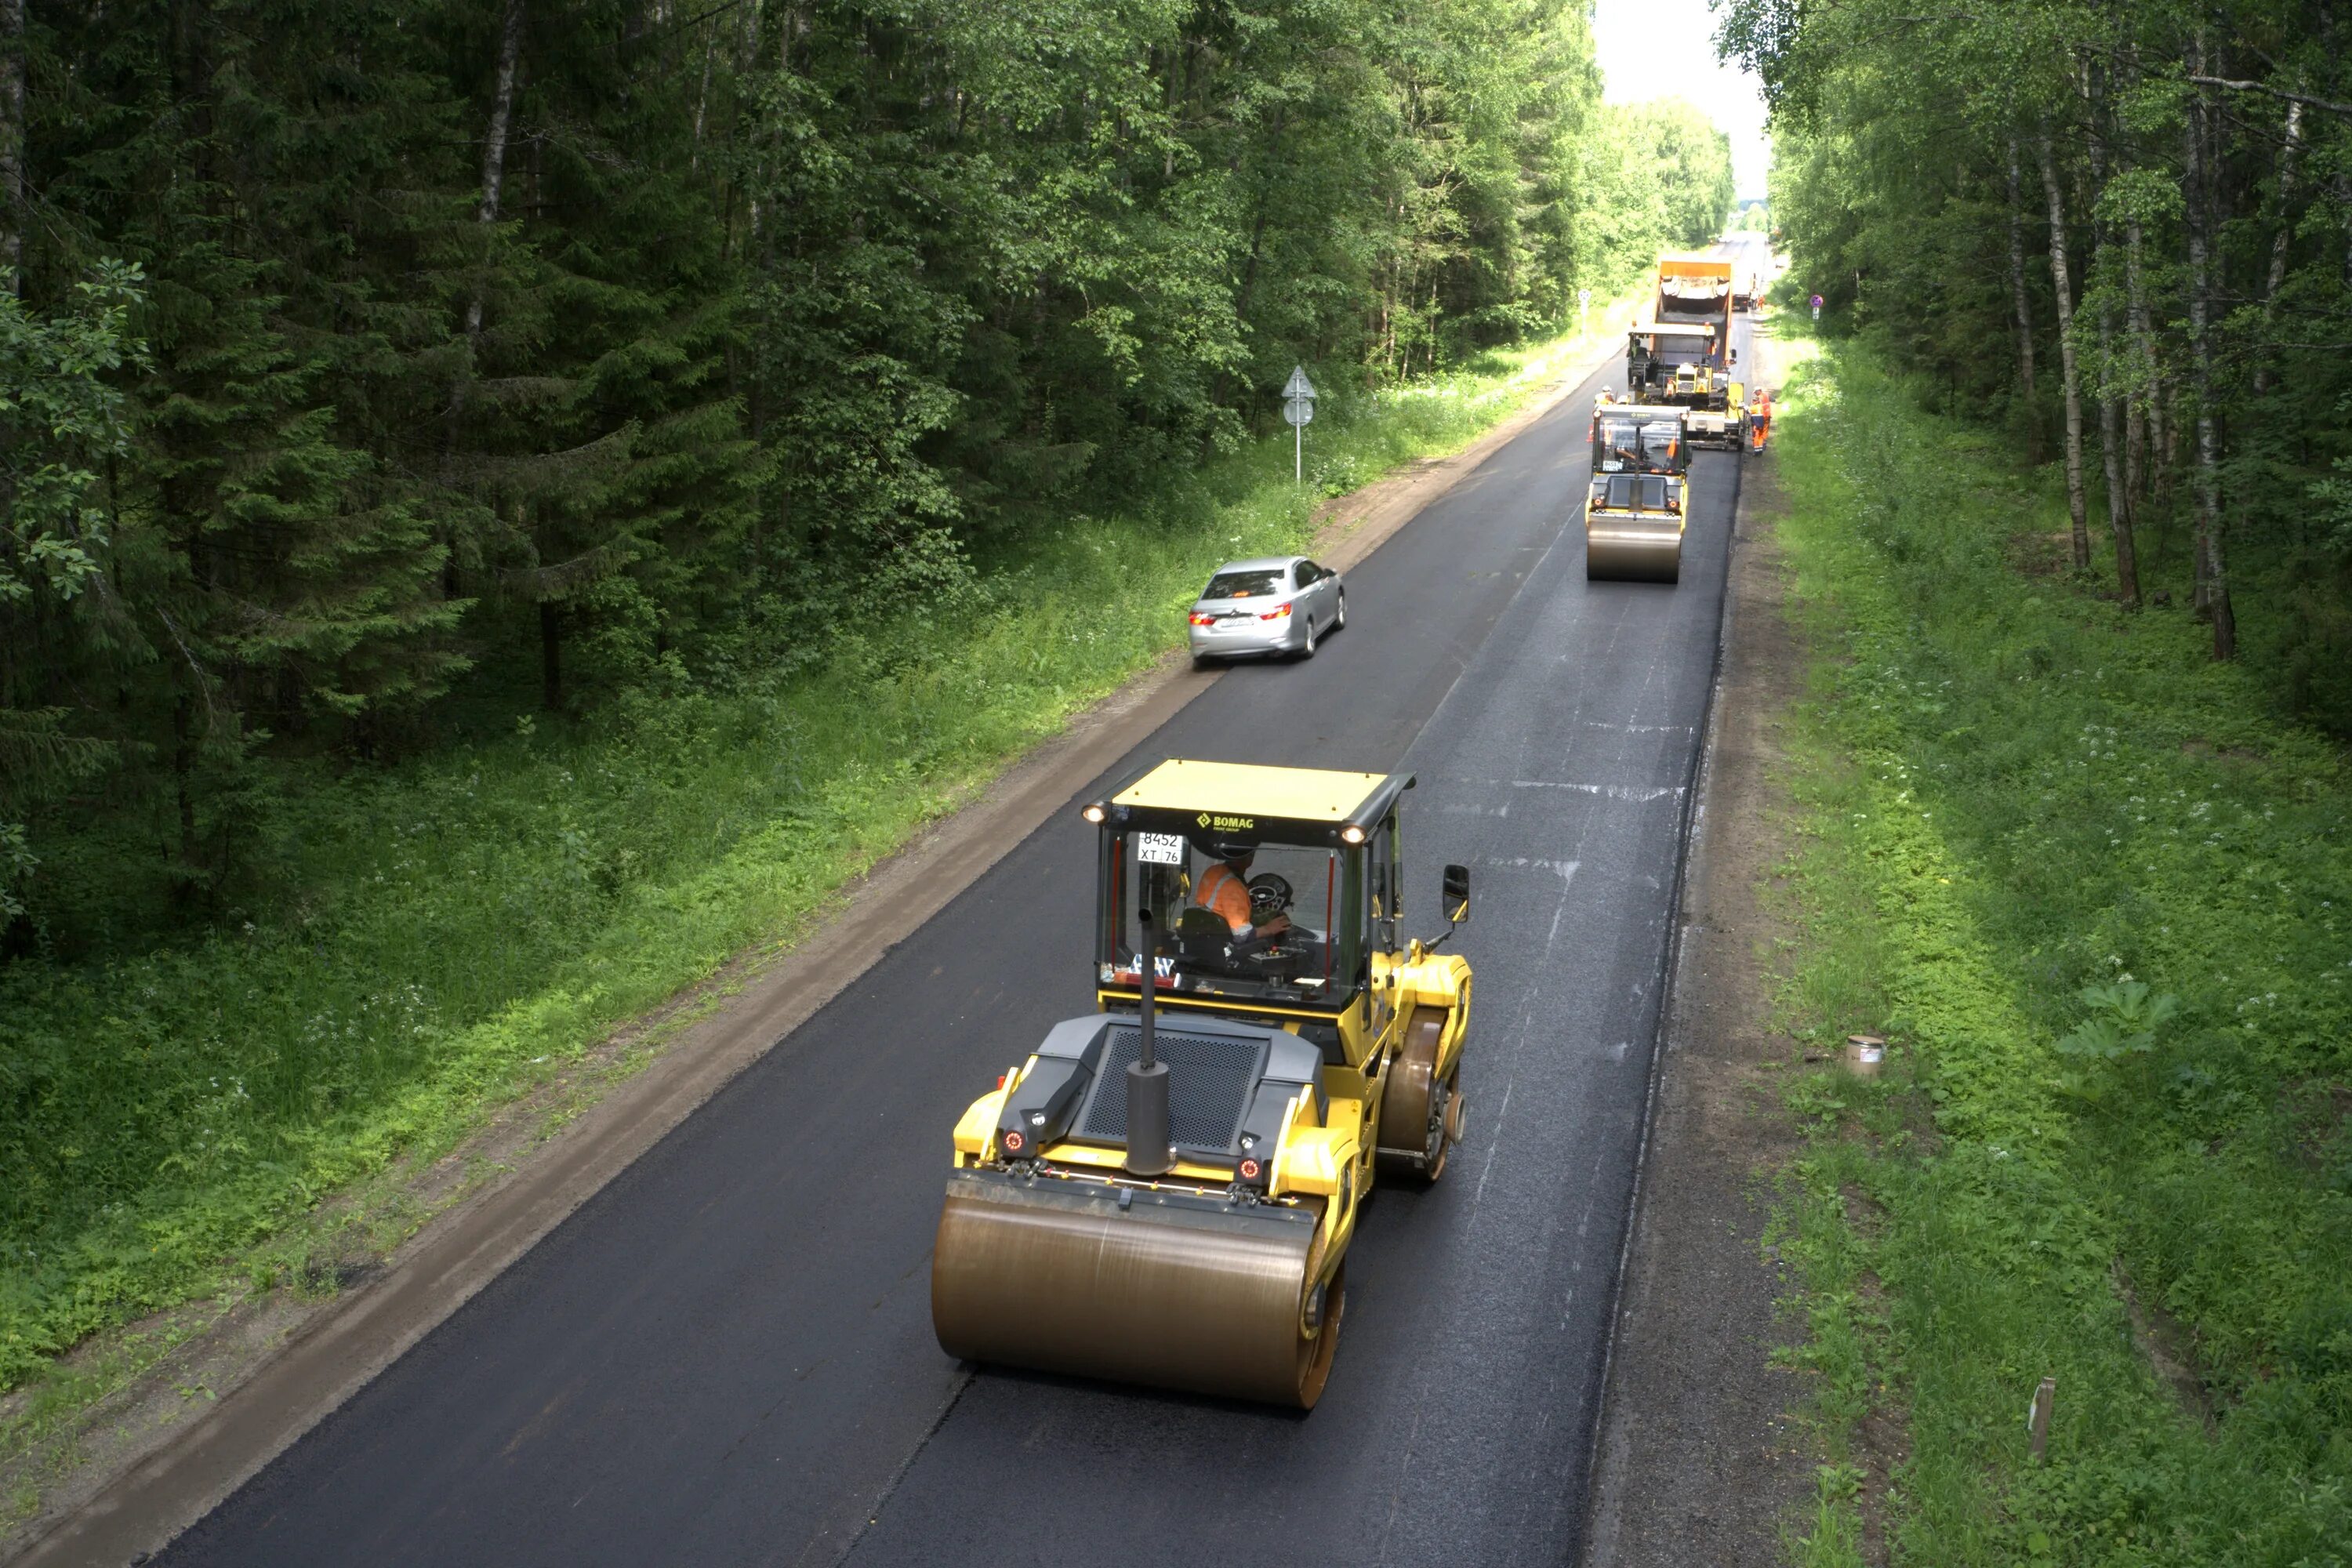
(485, 214)
(2214, 581)
(183, 775)
(2164, 437)
(2135, 458)
(702, 98)
(2341, 187)
(2024, 315)
(2110, 411)
(11, 143)
(2064, 288)
(2141, 455)
(551, 655)
(2111, 460)
(494, 150)
(2280, 240)
(192, 83)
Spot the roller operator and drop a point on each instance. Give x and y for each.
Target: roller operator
(1225, 890)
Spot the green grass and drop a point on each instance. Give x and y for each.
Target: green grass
(2008, 790)
(469, 925)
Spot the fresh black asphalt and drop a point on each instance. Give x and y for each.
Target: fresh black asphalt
(726, 1355)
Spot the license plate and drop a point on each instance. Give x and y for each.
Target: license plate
(1160, 848)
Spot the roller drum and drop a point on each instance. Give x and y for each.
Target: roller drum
(1174, 1290)
(1624, 550)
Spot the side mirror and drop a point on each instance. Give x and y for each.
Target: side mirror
(1458, 893)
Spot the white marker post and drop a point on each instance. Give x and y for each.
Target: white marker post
(1298, 407)
(1583, 311)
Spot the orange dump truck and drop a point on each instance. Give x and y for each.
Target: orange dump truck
(1697, 290)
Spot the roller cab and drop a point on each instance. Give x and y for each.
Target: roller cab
(1164, 1192)
(1634, 513)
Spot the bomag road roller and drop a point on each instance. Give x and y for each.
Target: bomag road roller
(1640, 493)
(1164, 1191)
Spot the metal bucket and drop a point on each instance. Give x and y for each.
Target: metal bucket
(1174, 1290)
(1625, 548)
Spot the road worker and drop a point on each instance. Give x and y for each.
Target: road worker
(1759, 419)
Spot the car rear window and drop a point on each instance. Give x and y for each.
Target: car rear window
(1243, 584)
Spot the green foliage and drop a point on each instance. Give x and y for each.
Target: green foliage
(60, 425)
(2015, 798)
(59, 419)
(1910, 180)
(2123, 1022)
(1672, 185)
(530, 366)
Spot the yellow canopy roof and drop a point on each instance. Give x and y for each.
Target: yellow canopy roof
(1310, 795)
(1676, 328)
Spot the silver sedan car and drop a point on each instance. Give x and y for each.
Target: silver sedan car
(1275, 604)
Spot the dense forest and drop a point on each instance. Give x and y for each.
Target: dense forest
(2072, 522)
(374, 364)
(509, 506)
(2152, 206)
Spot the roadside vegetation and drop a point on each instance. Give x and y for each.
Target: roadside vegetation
(2121, 236)
(2093, 887)
(2070, 525)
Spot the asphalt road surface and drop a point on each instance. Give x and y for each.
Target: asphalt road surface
(725, 1356)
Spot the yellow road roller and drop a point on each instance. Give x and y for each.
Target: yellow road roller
(1640, 493)
(1164, 1191)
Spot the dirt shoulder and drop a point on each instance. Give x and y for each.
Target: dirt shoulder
(1700, 1456)
(156, 1425)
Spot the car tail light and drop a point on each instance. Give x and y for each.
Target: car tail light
(1203, 620)
(1279, 612)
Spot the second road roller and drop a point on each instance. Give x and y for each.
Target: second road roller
(1640, 493)
(1164, 1191)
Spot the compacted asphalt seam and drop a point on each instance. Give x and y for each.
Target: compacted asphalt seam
(1694, 805)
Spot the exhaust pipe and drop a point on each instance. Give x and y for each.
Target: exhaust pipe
(1147, 1150)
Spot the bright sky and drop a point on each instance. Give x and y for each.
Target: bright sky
(1665, 48)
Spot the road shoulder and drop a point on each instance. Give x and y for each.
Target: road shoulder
(1700, 1456)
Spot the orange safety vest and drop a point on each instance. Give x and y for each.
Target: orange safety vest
(1227, 894)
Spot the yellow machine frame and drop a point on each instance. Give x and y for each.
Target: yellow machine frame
(1640, 546)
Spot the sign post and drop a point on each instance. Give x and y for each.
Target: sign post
(1298, 407)
(1817, 307)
